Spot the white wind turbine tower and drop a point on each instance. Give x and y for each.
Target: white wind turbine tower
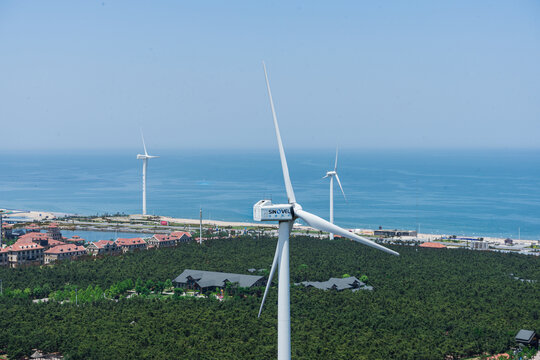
(331, 175)
(144, 158)
(286, 214)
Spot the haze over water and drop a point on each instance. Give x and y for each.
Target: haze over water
(473, 192)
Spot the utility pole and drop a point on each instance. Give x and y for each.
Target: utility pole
(200, 226)
(1, 229)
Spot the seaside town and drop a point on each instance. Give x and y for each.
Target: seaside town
(36, 247)
(30, 238)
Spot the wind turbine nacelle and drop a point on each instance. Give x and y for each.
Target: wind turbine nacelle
(264, 210)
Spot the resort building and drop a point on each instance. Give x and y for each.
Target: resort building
(43, 239)
(131, 244)
(62, 252)
(54, 232)
(338, 284)
(181, 236)
(102, 247)
(210, 280)
(7, 230)
(24, 253)
(75, 240)
(3, 257)
(161, 240)
(32, 228)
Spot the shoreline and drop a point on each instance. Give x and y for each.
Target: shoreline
(41, 216)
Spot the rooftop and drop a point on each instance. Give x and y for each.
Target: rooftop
(216, 279)
(130, 241)
(337, 284)
(66, 248)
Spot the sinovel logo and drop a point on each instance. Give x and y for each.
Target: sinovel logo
(279, 211)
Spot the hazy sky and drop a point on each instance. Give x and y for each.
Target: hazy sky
(87, 74)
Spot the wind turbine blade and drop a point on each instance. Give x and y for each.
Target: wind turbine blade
(339, 183)
(321, 224)
(286, 177)
(324, 177)
(335, 164)
(144, 145)
(272, 271)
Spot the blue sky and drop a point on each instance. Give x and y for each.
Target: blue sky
(398, 74)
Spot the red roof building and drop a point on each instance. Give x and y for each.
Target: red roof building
(32, 227)
(62, 252)
(162, 240)
(102, 247)
(24, 252)
(76, 239)
(181, 236)
(130, 244)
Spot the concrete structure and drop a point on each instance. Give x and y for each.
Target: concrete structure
(209, 280)
(63, 252)
(103, 247)
(131, 244)
(395, 233)
(338, 284)
(479, 245)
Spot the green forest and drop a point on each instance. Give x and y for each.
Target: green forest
(426, 304)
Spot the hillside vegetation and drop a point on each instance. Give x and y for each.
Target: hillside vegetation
(427, 303)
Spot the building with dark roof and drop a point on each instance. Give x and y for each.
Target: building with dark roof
(338, 284)
(208, 280)
(527, 337)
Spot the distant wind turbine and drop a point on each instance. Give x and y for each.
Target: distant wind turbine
(144, 158)
(286, 214)
(331, 175)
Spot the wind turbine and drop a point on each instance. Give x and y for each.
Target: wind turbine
(331, 175)
(286, 214)
(144, 158)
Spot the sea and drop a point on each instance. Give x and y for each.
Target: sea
(455, 192)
